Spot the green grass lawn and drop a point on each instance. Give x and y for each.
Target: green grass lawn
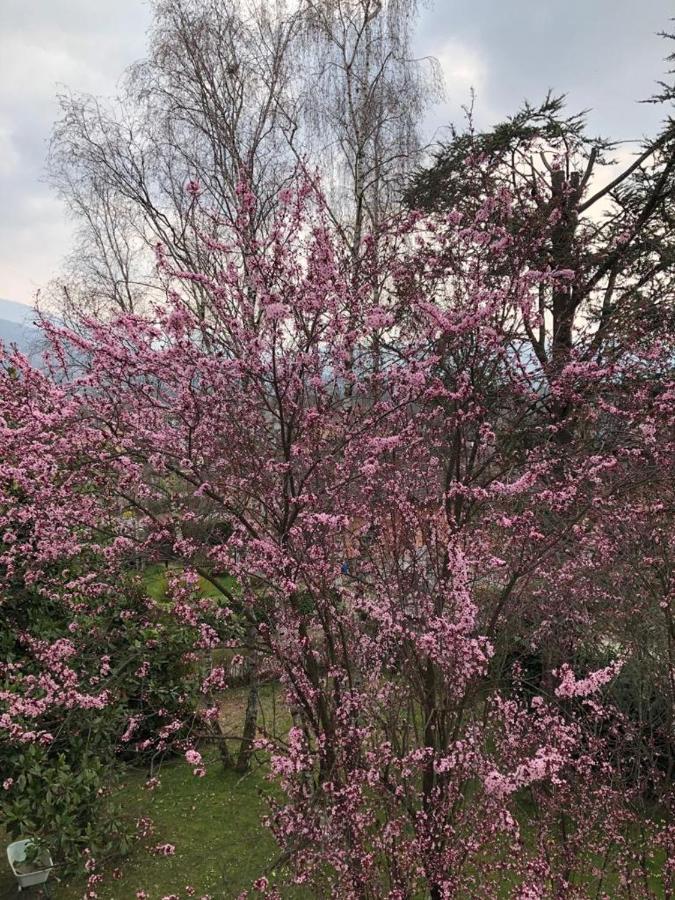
(214, 823)
(155, 582)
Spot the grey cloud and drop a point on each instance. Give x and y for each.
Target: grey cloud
(605, 54)
(44, 46)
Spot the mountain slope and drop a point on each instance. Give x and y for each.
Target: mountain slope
(17, 326)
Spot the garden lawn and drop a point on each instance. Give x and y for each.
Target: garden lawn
(155, 582)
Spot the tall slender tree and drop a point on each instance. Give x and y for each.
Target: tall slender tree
(236, 90)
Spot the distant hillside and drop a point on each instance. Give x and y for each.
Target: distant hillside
(17, 326)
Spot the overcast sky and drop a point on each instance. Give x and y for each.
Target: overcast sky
(603, 53)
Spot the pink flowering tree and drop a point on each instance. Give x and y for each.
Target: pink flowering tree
(91, 669)
(411, 507)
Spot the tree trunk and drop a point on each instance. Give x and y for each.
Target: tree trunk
(225, 755)
(251, 717)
